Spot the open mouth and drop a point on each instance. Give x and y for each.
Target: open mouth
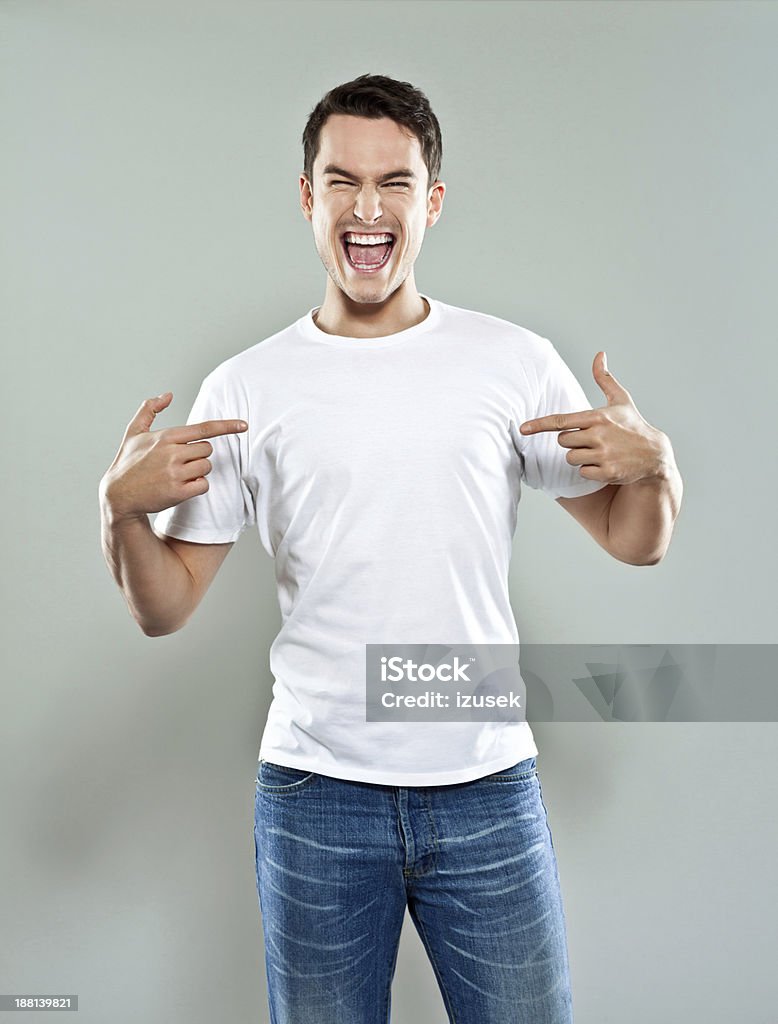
(367, 259)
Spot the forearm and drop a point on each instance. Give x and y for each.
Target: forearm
(642, 515)
(156, 584)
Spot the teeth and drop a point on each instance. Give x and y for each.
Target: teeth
(368, 239)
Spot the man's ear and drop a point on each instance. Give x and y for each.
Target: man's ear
(306, 196)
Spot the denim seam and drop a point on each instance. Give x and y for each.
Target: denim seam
(290, 787)
(431, 955)
(513, 778)
(302, 784)
(387, 993)
(434, 831)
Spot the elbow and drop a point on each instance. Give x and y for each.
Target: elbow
(157, 630)
(657, 555)
(653, 559)
(630, 558)
(640, 555)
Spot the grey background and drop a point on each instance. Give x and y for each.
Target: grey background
(610, 171)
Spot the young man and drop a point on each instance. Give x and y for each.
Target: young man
(387, 436)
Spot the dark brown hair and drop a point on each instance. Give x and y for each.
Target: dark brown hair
(376, 96)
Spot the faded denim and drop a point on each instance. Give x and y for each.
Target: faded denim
(338, 862)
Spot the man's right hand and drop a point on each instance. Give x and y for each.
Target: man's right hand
(155, 469)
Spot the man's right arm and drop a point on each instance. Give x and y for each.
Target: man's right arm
(163, 581)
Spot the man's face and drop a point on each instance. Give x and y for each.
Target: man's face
(371, 199)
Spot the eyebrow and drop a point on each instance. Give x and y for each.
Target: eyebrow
(403, 172)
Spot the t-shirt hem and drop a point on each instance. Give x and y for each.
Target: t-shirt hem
(196, 534)
(402, 778)
(575, 490)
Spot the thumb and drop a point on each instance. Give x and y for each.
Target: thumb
(607, 383)
(142, 420)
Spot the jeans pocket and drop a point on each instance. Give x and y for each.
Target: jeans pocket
(281, 779)
(522, 771)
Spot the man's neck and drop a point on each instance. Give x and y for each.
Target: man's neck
(350, 319)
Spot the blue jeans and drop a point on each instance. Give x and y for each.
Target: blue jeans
(337, 862)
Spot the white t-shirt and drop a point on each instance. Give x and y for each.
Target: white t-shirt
(383, 475)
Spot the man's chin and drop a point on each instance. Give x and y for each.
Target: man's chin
(366, 292)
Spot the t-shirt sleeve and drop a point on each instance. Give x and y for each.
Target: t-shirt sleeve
(223, 512)
(544, 463)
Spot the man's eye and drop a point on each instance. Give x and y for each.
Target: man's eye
(402, 184)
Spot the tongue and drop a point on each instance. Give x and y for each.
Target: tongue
(367, 255)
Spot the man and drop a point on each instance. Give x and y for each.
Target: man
(378, 445)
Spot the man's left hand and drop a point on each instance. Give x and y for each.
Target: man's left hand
(613, 444)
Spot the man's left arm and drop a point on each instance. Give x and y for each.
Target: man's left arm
(632, 517)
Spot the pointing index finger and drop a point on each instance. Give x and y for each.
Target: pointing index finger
(559, 421)
(207, 428)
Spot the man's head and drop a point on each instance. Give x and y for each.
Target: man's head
(372, 154)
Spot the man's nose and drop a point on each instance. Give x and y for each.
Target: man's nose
(367, 208)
